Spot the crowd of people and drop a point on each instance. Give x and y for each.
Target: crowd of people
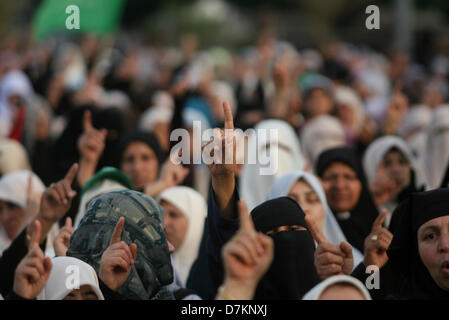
(88, 181)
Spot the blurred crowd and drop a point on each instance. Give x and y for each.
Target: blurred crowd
(362, 175)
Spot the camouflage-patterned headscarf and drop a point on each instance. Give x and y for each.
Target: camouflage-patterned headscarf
(152, 269)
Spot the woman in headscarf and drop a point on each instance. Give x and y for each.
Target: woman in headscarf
(254, 184)
(339, 287)
(347, 193)
(140, 157)
(437, 147)
(305, 188)
(292, 272)
(321, 133)
(392, 172)
(15, 210)
(419, 252)
(15, 92)
(351, 112)
(106, 180)
(64, 267)
(142, 228)
(185, 211)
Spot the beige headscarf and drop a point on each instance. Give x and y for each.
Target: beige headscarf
(13, 188)
(321, 133)
(13, 156)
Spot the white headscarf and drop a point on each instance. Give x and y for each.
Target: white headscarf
(437, 147)
(321, 133)
(194, 208)
(281, 187)
(13, 188)
(379, 148)
(346, 96)
(13, 156)
(58, 284)
(254, 185)
(413, 129)
(13, 83)
(316, 292)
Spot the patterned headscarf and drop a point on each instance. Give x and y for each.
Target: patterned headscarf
(152, 269)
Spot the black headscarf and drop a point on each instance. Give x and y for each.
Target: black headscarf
(416, 281)
(358, 226)
(141, 136)
(292, 272)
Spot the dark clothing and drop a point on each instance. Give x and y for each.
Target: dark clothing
(415, 280)
(358, 226)
(220, 231)
(292, 272)
(14, 296)
(10, 260)
(199, 276)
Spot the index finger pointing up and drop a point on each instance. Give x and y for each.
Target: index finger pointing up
(35, 235)
(246, 222)
(229, 121)
(87, 121)
(379, 220)
(71, 173)
(117, 233)
(317, 234)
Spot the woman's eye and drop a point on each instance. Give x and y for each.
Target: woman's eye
(430, 236)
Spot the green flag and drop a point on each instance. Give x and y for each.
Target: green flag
(95, 16)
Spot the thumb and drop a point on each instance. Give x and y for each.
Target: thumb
(133, 248)
(347, 249)
(47, 265)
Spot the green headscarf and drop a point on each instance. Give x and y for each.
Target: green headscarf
(144, 221)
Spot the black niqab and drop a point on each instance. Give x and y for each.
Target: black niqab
(292, 272)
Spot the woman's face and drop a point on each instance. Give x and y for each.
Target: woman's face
(433, 247)
(318, 103)
(175, 224)
(397, 167)
(85, 292)
(11, 218)
(342, 187)
(308, 200)
(140, 164)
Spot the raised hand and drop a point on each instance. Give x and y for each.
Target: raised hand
(173, 174)
(247, 256)
(118, 259)
(330, 259)
(57, 199)
(221, 150)
(91, 143)
(62, 240)
(33, 271)
(377, 243)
